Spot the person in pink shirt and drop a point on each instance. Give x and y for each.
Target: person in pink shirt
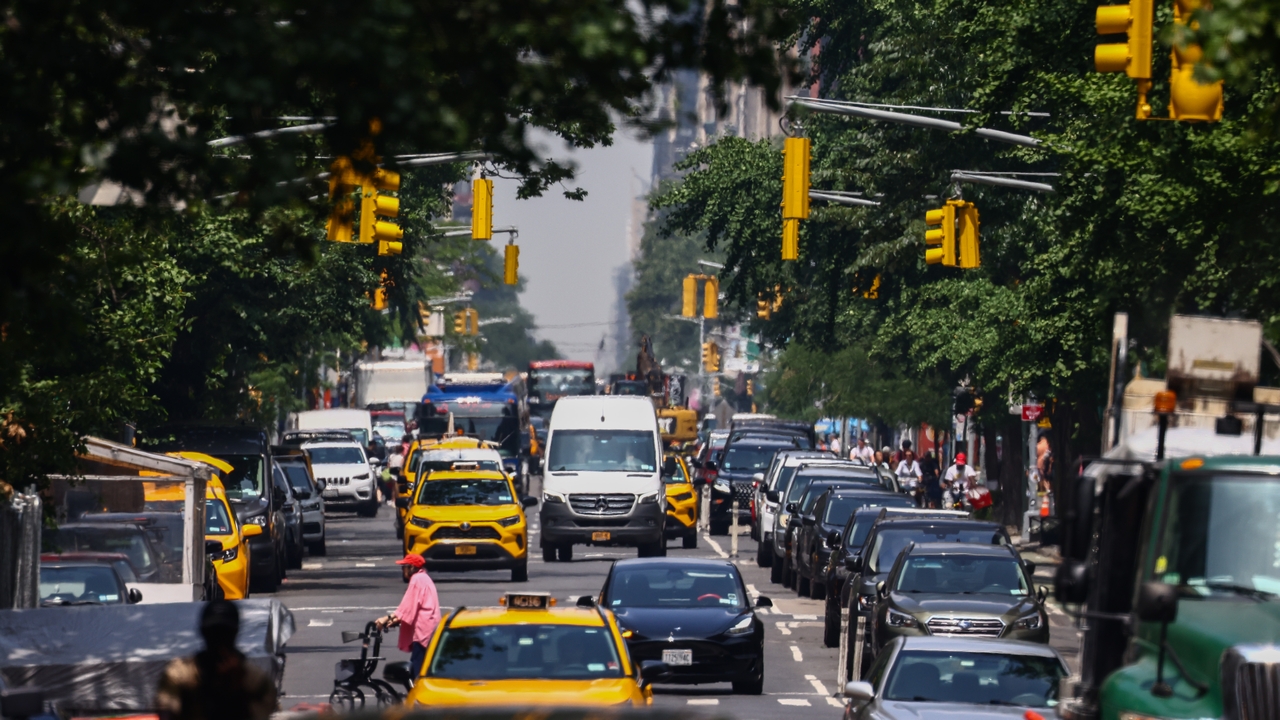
(418, 613)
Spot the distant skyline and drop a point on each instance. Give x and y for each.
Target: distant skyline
(570, 251)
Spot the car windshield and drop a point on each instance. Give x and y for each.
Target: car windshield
(349, 455)
(216, 518)
(246, 480)
(561, 381)
(840, 507)
(431, 466)
(856, 534)
(390, 433)
(890, 542)
(525, 651)
(748, 458)
(602, 450)
(130, 542)
(976, 678)
(465, 492)
(299, 478)
(667, 586)
(1213, 532)
(79, 585)
(962, 575)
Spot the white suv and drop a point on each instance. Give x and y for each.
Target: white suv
(348, 479)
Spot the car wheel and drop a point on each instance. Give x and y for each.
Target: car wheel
(775, 569)
(271, 582)
(802, 585)
(831, 623)
(549, 553)
(565, 552)
(520, 573)
(764, 556)
(318, 548)
(690, 539)
(294, 559)
(788, 578)
(753, 686)
(369, 509)
(817, 590)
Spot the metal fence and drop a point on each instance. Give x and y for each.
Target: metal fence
(20, 522)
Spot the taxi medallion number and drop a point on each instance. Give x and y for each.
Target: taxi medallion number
(599, 536)
(677, 657)
(464, 550)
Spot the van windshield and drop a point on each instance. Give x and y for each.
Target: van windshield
(602, 450)
(245, 481)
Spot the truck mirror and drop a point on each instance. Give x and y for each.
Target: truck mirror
(1071, 582)
(1157, 602)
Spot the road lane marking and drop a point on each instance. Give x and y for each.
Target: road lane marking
(703, 701)
(795, 702)
(835, 702)
(782, 628)
(366, 565)
(817, 684)
(312, 566)
(317, 622)
(795, 653)
(716, 546)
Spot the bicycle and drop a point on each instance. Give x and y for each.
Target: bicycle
(352, 676)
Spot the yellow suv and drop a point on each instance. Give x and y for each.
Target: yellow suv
(426, 456)
(529, 653)
(682, 500)
(469, 519)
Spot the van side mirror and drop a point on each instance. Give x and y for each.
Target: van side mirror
(853, 563)
(135, 596)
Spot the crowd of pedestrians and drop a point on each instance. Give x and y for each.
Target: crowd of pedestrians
(922, 477)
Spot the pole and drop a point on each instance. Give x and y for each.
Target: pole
(842, 662)
(859, 638)
(733, 530)
(1115, 389)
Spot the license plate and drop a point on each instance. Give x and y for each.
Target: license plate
(464, 550)
(677, 657)
(599, 536)
(331, 493)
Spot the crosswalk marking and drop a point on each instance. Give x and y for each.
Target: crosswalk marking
(317, 622)
(795, 702)
(703, 701)
(835, 702)
(715, 546)
(795, 653)
(782, 628)
(817, 684)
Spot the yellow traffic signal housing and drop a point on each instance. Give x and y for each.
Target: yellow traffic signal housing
(790, 239)
(342, 182)
(689, 297)
(968, 216)
(795, 178)
(511, 264)
(482, 209)
(1132, 57)
(473, 321)
(379, 302)
(710, 356)
(460, 322)
(473, 362)
(940, 242)
(763, 311)
(711, 298)
(1190, 100)
(424, 316)
(373, 203)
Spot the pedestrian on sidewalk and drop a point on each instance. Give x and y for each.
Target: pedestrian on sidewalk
(216, 683)
(930, 473)
(418, 613)
(909, 476)
(957, 481)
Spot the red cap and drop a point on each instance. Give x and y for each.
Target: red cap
(411, 559)
(960, 458)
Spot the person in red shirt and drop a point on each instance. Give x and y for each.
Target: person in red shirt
(418, 613)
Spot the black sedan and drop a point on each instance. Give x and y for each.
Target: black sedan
(694, 615)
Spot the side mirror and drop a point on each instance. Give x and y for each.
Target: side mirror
(1157, 602)
(669, 467)
(322, 484)
(807, 520)
(1071, 582)
(586, 601)
(853, 563)
(402, 503)
(528, 501)
(833, 538)
(398, 673)
(278, 497)
(1042, 592)
(763, 601)
(135, 596)
(773, 495)
(654, 670)
(880, 586)
(757, 478)
(859, 691)
(249, 530)
(791, 507)
(212, 547)
(1030, 566)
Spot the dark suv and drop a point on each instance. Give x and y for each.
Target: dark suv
(741, 459)
(821, 528)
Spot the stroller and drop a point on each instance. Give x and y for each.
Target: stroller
(353, 677)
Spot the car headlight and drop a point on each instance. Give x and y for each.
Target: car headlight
(360, 477)
(1030, 622)
(420, 522)
(742, 627)
(259, 520)
(681, 497)
(649, 498)
(550, 497)
(721, 487)
(508, 522)
(900, 619)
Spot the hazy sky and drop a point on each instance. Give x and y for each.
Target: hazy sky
(570, 250)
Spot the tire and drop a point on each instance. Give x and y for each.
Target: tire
(817, 590)
(369, 509)
(831, 622)
(690, 539)
(294, 556)
(754, 686)
(565, 552)
(520, 573)
(317, 548)
(788, 577)
(272, 582)
(775, 569)
(764, 556)
(399, 529)
(549, 553)
(802, 584)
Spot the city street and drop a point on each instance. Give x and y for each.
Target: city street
(358, 581)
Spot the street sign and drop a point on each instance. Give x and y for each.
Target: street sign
(1031, 413)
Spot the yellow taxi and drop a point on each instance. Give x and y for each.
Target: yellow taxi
(427, 455)
(682, 500)
(530, 653)
(221, 525)
(467, 518)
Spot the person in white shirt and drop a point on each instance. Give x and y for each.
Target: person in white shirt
(908, 473)
(956, 481)
(834, 445)
(862, 453)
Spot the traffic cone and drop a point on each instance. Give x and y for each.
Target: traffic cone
(1044, 505)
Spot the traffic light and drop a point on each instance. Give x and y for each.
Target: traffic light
(1132, 57)
(940, 242)
(424, 316)
(763, 310)
(1188, 99)
(715, 387)
(511, 264)
(710, 356)
(968, 216)
(795, 193)
(373, 203)
(460, 322)
(751, 387)
(871, 293)
(689, 297)
(473, 362)
(473, 321)
(482, 209)
(342, 182)
(378, 300)
(711, 298)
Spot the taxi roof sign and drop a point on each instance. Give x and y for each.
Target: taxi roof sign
(527, 601)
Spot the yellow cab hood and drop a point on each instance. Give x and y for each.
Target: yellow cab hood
(470, 513)
(564, 693)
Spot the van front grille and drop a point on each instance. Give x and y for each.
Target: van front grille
(602, 504)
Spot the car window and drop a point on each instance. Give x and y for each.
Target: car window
(216, 518)
(79, 585)
(465, 492)
(667, 586)
(126, 541)
(748, 458)
(977, 678)
(888, 543)
(297, 475)
(510, 652)
(962, 574)
(336, 455)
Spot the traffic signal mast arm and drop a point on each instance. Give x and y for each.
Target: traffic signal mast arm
(837, 108)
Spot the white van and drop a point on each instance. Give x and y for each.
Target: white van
(602, 476)
(359, 422)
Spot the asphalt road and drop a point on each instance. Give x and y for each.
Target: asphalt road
(359, 581)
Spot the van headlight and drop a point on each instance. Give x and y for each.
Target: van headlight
(742, 627)
(649, 498)
(1030, 622)
(550, 497)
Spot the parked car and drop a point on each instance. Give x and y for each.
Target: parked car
(348, 479)
(129, 540)
(821, 526)
(694, 615)
(953, 589)
(309, 493)
(83, 582)
(119, 561)
(165, 529)
(780, 471)
(928, 677)
(735, 469)
(291, 509)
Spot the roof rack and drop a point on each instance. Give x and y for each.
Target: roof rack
(298, 437)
